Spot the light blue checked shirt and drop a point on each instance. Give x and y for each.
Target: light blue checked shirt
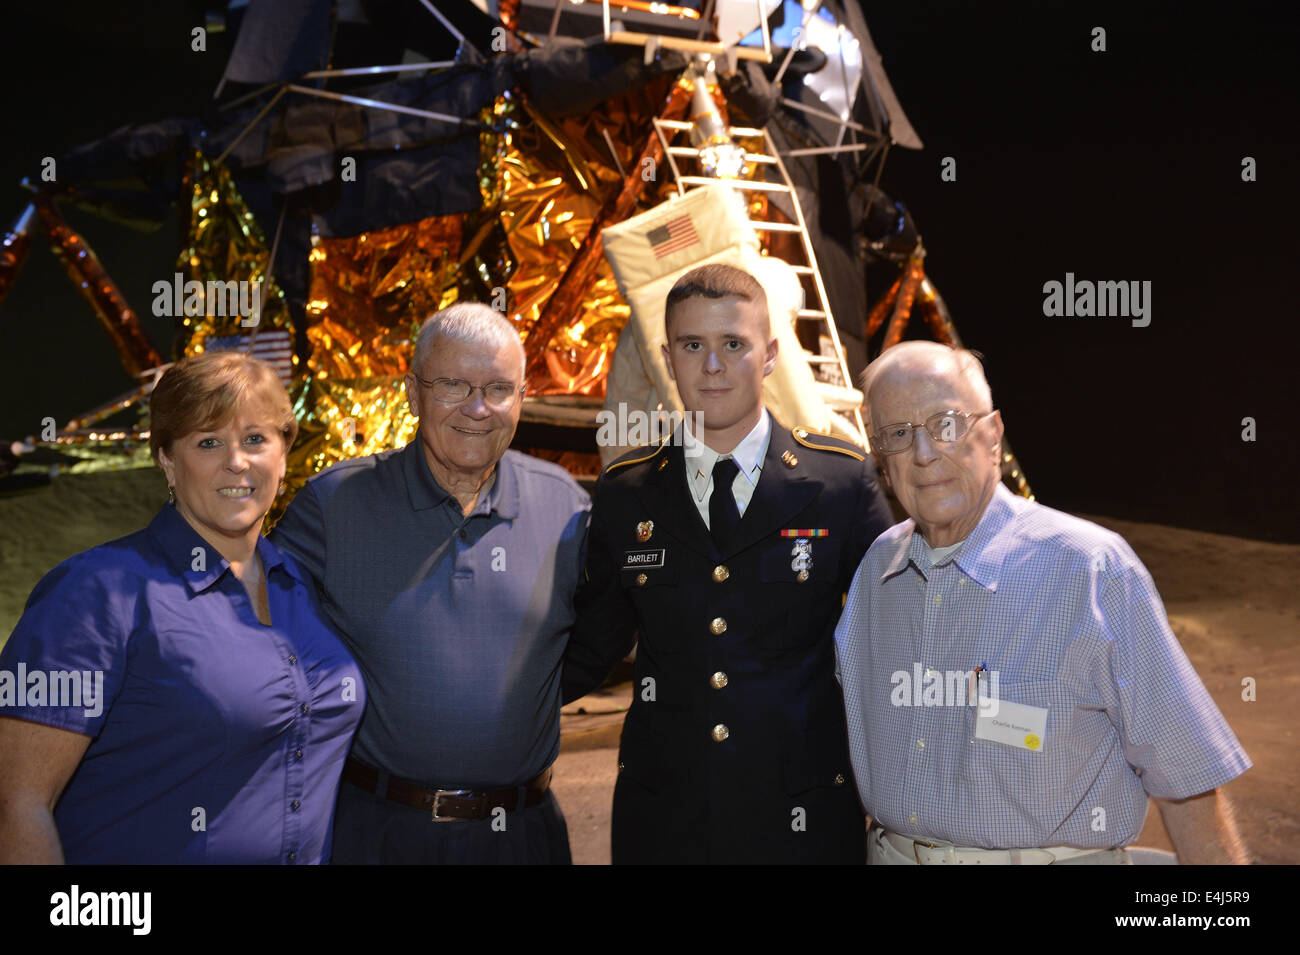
(1068, 619)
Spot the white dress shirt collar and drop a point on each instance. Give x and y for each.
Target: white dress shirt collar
(749, 455)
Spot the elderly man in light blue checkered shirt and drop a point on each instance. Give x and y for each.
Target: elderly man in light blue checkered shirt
(1013, 690)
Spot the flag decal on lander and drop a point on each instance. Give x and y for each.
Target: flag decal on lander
(673, 236)
(273, 347)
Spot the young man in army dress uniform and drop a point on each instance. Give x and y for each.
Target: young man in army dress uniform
(730, 565)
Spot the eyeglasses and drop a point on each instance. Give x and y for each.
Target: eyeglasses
(945, 427)
(453, 391)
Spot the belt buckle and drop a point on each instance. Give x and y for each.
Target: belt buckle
(439, 794)
(922, 842)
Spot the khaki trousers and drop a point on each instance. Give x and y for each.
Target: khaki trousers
(888, 848)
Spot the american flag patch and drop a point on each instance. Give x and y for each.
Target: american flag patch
(673, 236)
(273, 347)
(806, 532)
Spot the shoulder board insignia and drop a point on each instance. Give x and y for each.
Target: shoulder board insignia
(635, 457)
(827, 442)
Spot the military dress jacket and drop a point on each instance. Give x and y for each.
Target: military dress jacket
(734, 749)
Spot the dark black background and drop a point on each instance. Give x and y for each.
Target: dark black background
(1122, 165)
(241, 905)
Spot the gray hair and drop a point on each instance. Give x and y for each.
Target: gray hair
(471, 323)
(966, 362)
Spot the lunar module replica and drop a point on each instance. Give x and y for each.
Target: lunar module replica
(562, 161)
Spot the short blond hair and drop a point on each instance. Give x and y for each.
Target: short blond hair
(203, 391)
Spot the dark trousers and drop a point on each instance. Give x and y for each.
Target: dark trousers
(369, 830)
(676, 828)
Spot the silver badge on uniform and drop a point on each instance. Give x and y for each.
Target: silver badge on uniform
(802, 563)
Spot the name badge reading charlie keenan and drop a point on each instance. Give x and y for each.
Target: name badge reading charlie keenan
(1013, 724)
(638, 559)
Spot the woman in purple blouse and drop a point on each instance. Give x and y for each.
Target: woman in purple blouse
(176, 696)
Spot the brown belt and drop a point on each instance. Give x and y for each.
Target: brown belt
(447, 805)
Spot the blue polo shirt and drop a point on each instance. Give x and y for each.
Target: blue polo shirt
(459, 622)
(214, 738)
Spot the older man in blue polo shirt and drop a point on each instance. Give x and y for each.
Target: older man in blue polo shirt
(1013, 690)
(449, 566)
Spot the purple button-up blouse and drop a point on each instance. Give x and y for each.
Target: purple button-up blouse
(214, 738)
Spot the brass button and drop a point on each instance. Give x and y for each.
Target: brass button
(720, 573)
(802, 433)
(641, 579)
(718, 626)
(839, 778)
(718, 680)
(801, 576)
(720, 732)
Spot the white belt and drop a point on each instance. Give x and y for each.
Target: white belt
(934, 852)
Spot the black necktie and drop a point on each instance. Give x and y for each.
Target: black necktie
(724, 516)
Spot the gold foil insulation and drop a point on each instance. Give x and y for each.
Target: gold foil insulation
(587, 268)
(370, 293)
(532, 250)
(225, 244)
(553, 184)
(346, 418)
(544, 185)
